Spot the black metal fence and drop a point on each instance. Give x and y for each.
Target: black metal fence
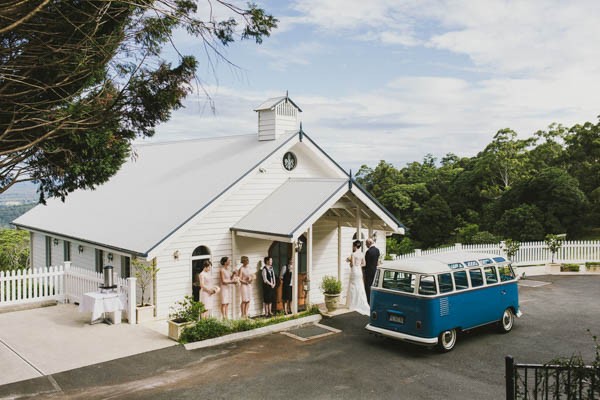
(538, 381)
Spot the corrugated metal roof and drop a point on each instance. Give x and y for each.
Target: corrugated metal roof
(153, 196)
(272, 102)
(290, 206)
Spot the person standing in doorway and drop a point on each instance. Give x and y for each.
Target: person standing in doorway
(371, 261)
(286, 277)
(206, 288)
(269, 283)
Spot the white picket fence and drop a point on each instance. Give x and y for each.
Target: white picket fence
(530, 253)
(63, 283)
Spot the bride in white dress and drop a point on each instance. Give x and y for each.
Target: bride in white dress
(356, 300)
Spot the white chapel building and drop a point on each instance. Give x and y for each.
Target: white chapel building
(275, 193)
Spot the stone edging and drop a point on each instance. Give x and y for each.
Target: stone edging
(265, 330)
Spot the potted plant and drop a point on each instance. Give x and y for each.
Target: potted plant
(511, 248)
(331, 287)
(145, 274)
(592, 266)
(554, 243)
(185, 313)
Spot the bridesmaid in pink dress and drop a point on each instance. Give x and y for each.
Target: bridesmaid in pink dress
(206, 289)
(246, 279)
(227, 279)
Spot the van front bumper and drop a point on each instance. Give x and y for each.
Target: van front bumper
(401, 336)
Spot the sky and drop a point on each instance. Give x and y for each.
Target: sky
(396, 80)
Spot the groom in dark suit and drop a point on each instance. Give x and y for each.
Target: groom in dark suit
(371, 261)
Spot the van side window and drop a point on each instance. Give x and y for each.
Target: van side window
(400, 281)
(476, 277)
(506, 273)
(445, 282)
(427, 285)
(460, 278)
(490, 275)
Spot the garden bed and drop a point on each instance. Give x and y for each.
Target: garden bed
(211, 332)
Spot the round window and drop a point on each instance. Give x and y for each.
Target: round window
(289, 161)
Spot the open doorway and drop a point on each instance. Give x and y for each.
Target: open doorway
(281, 252)
(200, 254)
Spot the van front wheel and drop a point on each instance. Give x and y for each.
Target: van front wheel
(506, 323)
(446, 340)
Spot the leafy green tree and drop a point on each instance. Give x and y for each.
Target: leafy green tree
(522, 223)
(14, 249)
(550, 149)
(554, 243)
(81, 79)
(464, 234)
(583, 151)
(556, 195)
(484, 237)
(434, 223)
(504, 160)
(511, 248)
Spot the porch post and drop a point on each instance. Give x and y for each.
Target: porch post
(234, 310)
(358, 224)
(65, 283)
(339, 234)
(131, 300)
(295, 278)
(309, 264)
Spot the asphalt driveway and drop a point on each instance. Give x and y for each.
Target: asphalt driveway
(349, 365)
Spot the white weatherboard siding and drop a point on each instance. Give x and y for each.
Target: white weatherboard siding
(266, 125)
(39, 250)
(325, 257)
(211, 229)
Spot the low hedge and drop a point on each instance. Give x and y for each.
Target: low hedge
(209, 328)
(592, 264)
(569, 268)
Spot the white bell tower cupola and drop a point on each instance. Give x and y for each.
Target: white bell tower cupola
(277, 116)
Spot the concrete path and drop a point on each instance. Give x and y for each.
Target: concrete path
(48, 340)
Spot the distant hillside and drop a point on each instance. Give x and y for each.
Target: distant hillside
(21, 193)
(10, 212)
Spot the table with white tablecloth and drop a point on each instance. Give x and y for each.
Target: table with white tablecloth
(102, 303)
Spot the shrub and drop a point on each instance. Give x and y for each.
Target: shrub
(210, 328)
(569, 268)
(204, 329)
(592, 264)
(187, 310)
(331, 285)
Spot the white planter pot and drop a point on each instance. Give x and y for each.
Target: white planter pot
(332, 301)
(144, 314)
(175, 328)
(553, 268)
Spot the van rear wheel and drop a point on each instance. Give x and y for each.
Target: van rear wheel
(446, 340)
(505, 325)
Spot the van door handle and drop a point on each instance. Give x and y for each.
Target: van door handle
(503, 291)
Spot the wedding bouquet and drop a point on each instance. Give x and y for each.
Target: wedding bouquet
(349, 259)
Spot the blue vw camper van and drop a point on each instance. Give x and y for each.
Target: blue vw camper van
(427, 300)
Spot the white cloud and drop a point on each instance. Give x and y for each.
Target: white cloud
(536, 64)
